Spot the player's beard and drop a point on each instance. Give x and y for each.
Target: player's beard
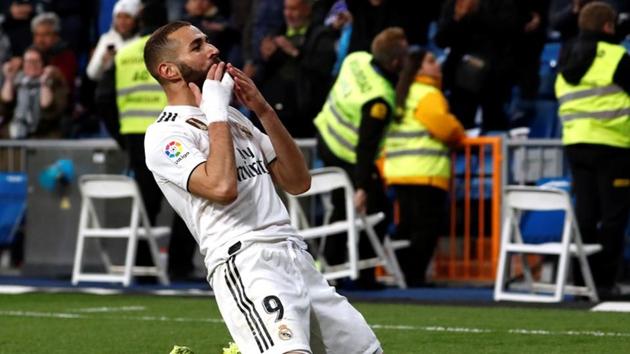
(195, 76)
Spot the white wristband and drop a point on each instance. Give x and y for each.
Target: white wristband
(215, 98)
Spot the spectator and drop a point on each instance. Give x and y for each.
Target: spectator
(339, 18)
(298, 65)
(350, 128)
(46, 39)
(593, 89)
(205, 15)
(266, 19)
(417, 162)
(241, 11)
(564, 17)
(480, 68)
(77, 22)
(38, 94)
(372, 16)
(17, 25)
(123, 31)
(533, 15)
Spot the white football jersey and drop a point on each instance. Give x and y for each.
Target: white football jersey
(177, 142)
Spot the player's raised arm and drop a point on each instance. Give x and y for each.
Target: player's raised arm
(215, 179)
(289, 168)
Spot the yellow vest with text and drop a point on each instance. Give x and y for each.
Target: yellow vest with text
(139, 96)
(596, 111)
(412, 156)
(338, 122)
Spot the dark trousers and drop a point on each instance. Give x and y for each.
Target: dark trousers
(422, 220)
(491, 99)
(601, 184)
(336, 250)
(182, 244)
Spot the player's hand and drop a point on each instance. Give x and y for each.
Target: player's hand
(247, 92)
(196, 91)
(217, 91)
(360, 200)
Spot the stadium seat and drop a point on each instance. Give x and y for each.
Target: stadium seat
(518, 199)
(324, 181)
(13, 193)
(110, 187)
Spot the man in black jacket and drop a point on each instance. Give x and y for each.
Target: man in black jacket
(481, 66)
(298, 64)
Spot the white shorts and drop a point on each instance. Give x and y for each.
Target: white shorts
(273, 300)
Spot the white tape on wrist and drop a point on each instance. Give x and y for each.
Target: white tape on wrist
(215, 98)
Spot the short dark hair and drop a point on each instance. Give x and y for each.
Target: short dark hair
(595, 15)
(389, 45)
(157, 47)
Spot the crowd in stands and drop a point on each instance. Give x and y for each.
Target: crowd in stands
(293, 49)
(53, 55)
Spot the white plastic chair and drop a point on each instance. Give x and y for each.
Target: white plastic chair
(116, 187)
(522, 198)
(324, 181)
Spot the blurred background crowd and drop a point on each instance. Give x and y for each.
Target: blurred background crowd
(491, 52)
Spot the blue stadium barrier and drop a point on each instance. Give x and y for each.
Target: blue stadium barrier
(544, 226)
(545, 122)
(13, 192)
(547, 71)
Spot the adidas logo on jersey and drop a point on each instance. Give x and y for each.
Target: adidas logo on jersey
(167, 117)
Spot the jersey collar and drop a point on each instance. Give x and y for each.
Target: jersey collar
(185, 111)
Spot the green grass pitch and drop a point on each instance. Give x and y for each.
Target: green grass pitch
(117, 324)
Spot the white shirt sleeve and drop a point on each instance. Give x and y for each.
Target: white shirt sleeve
(173, 156)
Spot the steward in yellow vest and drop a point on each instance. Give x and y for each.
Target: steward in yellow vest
(139, 96)
(417, 162)
(593, 91)
(351, 127)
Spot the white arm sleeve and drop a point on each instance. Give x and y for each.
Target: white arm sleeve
(173, 157)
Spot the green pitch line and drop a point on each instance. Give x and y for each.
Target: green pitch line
(75, 323)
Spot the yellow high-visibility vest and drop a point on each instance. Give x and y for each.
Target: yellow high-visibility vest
(412, 156)
(338, 122)
(139, 96)
(596, 111)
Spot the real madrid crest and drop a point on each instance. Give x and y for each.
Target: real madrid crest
(242, 129)
(284, 332)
